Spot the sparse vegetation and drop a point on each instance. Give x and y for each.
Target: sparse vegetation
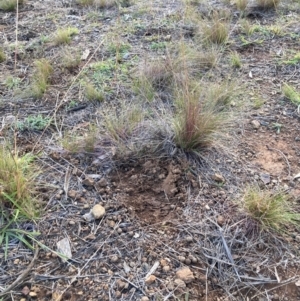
(291, 94)
(272, 210)
(64, 35)
(34, 123)
(268, 4)
(43, 71)
(235, 60)
(241, 4)
(215, 32)
(17, 176)
(2, 56)
(10, 5)
(92, 93)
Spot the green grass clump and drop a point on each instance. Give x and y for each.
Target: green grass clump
(235, 60)
(17, 201)
(17, 176)
(10, 5)
(291, 94)
(241, 4)
(63, 35)
(216, 32)
(2, 56)
(92, 93)
(43, 71)
(270, 210)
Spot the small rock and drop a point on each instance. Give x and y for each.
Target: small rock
(71, 223)
(179, 283)
(111, 223)
(102, 183)
(297, 238)
(88, 182)
(181, 258)
(255, 123)
(166, 268)
(188, 261)
(144, 298)
(163, 262)
(185, 274)
(114, 258)
(207, 207)
(72, 194)
(218, 178)
(98, 211)
(121, 284)
(189, 239)
(150, 279)
(220, 220)
(25, 290)
(118, 294)
(33, 294)
(17, 261)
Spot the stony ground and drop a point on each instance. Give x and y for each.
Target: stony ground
(172, 228)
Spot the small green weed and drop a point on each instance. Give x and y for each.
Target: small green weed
(92, 93)
(294, 61)
(34, 123)
(43, 71)
(2, 56)
(12, 82)
(235, 60)
(63, 35)
(156, 46)
(271, 210)
(291, 94)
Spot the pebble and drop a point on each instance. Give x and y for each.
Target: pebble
(33, 294)
(181, 258)
(114, 258)
(72, 194)
(218, 178)
(179, 283)
(17, 261)
(166, 268)
(144, 298)
(185, 274)
(220, 220)
(88, 182)
(255, 123)
(189, 239)
(150, 279)
(111, 223)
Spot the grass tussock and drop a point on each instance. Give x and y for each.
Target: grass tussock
(120, 126)
(197, 122)
(291, 94)
(10, 5)
(17, 183)
(267, 4)
(2, 56)
(216, 31)
(64, 35)
(43, 71)
(241, 4)
(93, 94)
(270, 210)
